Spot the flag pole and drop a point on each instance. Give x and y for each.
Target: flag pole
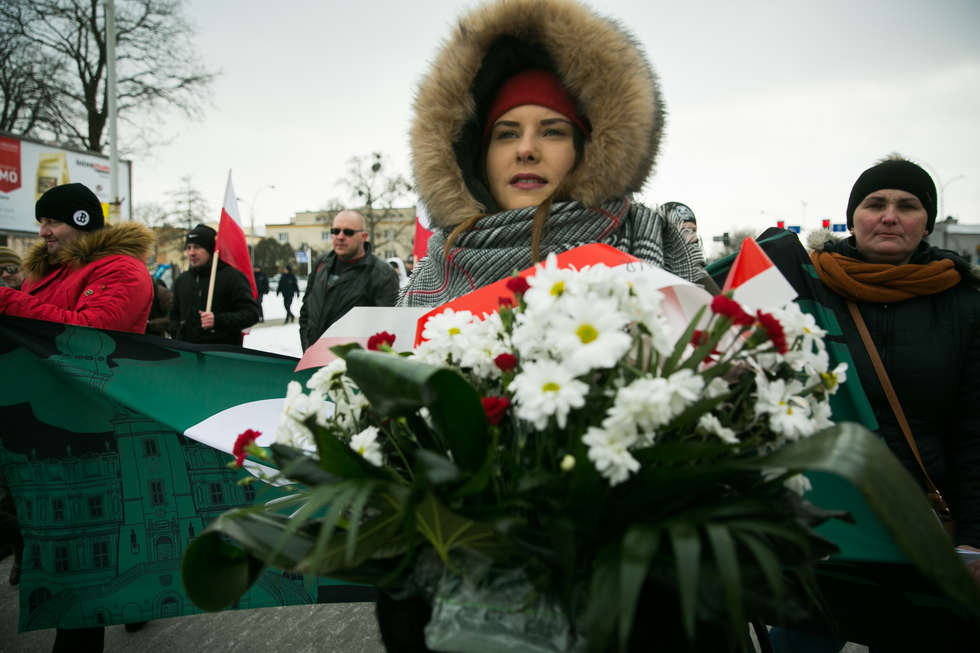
(214, 273)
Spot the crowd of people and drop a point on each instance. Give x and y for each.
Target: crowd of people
(534, 128)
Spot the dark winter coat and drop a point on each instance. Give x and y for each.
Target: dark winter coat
(99, 280)
(930, 346)
(287, 286)
(368, 282)
(234, 307)
(261, 282)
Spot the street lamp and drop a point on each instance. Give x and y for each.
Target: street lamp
(252, 206)
(942, 194)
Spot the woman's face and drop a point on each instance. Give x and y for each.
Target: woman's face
(888, 225)
(531, 150)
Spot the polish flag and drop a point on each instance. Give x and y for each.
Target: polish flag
(230, 245)
(757, 283)
(423, 229)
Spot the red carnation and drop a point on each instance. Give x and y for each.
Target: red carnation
(495, 408)
(728, 307)
(240, 450)
(774, 330)
(505, 302)
(517, 285)
(381, 338)
(506, 362)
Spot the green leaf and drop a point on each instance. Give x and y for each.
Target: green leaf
(300, 467)
(687, 553)
(399, 387)
(216, 573)
(853, 453)
(435, 469)
(336, 457)
(723, 547)
(602, 598)
(768, 564)
(446, 530)
(670, 365)
(341, 351)
(640, 544)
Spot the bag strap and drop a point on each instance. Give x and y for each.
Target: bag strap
(939, 503)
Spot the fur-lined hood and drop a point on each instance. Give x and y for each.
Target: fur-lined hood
(600, 63)
(127, 238)
(825, 240)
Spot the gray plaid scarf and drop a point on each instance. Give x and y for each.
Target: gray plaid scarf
(499, 244)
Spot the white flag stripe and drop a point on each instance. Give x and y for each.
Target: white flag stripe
(231, 202)
(766, 290)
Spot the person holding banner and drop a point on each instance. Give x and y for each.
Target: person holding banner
(534, 127)
(232, 307)
(84, 271)
(88, 273)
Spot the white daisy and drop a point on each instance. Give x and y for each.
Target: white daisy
(609, 452)
(366, 444)
(546, 388)
(589, 334)
(713, 425)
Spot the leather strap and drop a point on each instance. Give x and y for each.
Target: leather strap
(938, 502)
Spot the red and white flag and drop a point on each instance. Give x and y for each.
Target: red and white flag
(423, 229)
(230, 245)
(757, 283)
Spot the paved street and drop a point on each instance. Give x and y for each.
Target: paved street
(341, 628)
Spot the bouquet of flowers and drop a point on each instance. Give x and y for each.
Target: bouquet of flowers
(570, 471)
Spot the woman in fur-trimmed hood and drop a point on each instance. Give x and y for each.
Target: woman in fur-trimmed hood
(84, 272)
(589, 75)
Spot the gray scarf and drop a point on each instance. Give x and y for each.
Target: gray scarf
(499, 244)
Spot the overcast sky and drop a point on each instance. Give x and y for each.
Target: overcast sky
(774, 108)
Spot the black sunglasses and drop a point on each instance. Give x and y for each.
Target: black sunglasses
(9, 269)
(347, 232)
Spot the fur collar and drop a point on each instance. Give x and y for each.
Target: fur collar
(600, 63)
(127, 238)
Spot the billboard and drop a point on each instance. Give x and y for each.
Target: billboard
(29, 167)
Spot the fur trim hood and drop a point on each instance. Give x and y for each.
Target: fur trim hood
(127, 238)
(599, 62)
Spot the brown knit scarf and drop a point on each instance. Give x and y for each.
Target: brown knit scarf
(881, 282)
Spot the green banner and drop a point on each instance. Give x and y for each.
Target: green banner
(115, 461)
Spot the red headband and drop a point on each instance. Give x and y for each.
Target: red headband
(534, 86)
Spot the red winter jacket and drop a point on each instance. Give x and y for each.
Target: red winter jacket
(99, 280)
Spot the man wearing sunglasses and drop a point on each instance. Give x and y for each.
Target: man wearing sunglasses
(10, 271)
(346, 277)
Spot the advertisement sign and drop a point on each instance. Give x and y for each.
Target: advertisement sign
(28, 168)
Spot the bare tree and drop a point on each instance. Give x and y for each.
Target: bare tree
(188, 206)
(157, 66)
(25, 97)
(375, 189)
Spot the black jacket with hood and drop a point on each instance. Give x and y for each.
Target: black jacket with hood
(234, 307)
(367, 282)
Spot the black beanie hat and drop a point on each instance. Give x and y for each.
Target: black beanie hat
(900, 175)
(73, 204)
(203, 236)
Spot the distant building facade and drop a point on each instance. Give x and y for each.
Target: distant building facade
(310, 231)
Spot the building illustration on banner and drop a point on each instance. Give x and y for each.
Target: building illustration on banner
(107, 516)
